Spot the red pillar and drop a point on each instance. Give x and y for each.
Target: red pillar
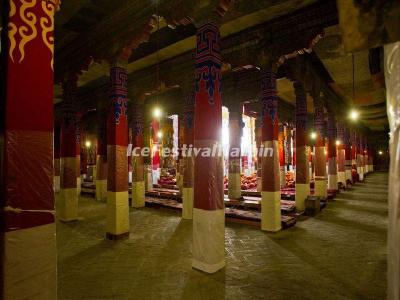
(208, 211)
(57, 163)
(341, 155)
(359, 157)
(348, 155)
(138, 184)
(78, 152)
(332, 162)
(28, 241)
(258, 133)
(271, 194)
(354, 146)
(101, 161)
(301, 149)
(68, 203)
(320, 156)
(117, 143)
(84, 151)
(282, 165)
(235, 135)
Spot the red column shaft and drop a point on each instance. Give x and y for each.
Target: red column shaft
(69, 135)
(332, 136)
(117, 132)
(101, 172)
(28, 213)
(208, 172)
(57, 137)
(138, 141)
(300, 153)
(208, 203)
(270, 131)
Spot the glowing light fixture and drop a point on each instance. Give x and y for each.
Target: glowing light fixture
(88, 144)
(380, 152)
(354, 115)
(157, 112)
(159, 134)
(338, 143)
(313, 135)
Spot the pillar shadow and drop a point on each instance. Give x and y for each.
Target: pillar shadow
(317, 262)
(204, 286)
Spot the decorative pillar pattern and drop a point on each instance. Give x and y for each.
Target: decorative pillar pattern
(208, 211)
(28, 239)
(301, 155)
(101, 161)
(138, 184)
(188, 159)
(117, 143)
(235, 134)
(332, 162)
(68, 203)
(271, 193)
(320, 156)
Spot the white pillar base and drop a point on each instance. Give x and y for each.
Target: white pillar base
(302, 192)
(187, 203)
(30, 263)
(68, 205)
(332, 182)
(138, 194)
(117, 213)
(78, 185)
(271, 211)
(341, 177)
(101, 190)
(149, 179)
(130, 176)
(208, 240)
(234, 187)
(57, 181)
(156, 175)
(360, 172)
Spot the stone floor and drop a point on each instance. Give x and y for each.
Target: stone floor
(340, 254)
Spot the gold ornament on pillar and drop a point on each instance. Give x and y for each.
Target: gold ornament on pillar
(27, 34)
(47, 24)
(22, 33)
